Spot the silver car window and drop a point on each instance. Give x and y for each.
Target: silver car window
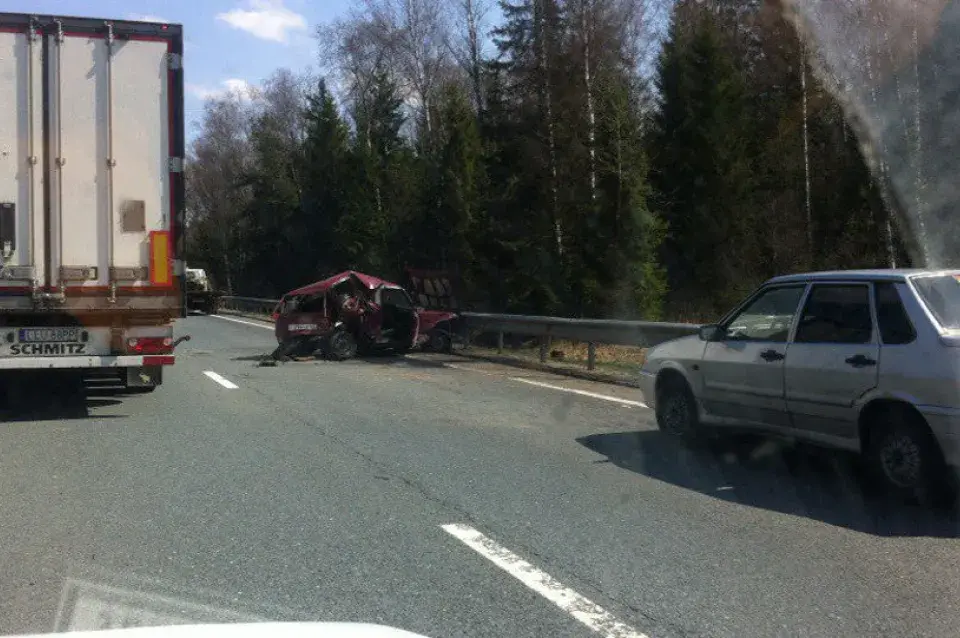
(892, 319)
(768, 317)
(836, 314)
(941, 295)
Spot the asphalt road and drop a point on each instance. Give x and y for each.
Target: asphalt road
(410, 491)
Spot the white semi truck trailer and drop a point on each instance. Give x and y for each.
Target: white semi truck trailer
(91, 195)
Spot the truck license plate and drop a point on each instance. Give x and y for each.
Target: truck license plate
(49, 335)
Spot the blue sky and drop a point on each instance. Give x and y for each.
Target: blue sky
(228, 42)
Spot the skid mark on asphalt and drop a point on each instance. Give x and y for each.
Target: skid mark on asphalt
(485, 373)
(229, 385)
(583, 609)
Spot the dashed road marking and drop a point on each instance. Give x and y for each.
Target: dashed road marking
(246, 323)
(595, 395)
(584, 610)
(229, 385)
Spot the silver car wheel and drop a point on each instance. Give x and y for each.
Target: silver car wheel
(901, 460)
(675, 413)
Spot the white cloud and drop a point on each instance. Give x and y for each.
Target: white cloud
(235, 86)
(146, 17)
(265, 19)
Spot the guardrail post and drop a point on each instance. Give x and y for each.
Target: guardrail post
(591, 356)
(499, 341)
(544, 346)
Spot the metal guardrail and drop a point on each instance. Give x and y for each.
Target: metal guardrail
(593, 332)
(642, 334)
(252, 305)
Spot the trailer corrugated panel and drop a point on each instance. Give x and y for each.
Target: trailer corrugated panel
(21, 169)
(94, 143)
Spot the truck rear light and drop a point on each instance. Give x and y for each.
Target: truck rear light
(150, 345)
(158, 360)
(160, 272)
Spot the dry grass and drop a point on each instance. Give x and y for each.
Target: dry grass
(576, 352)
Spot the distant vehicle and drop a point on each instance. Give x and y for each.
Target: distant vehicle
(347, 314)
(867, 361)
(91, 195)
(200, 292)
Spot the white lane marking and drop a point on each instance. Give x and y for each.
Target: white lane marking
(229, 385)
(586, 611)
(246, 323)
(605, 397)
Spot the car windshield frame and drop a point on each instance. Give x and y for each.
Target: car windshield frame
(933, 301)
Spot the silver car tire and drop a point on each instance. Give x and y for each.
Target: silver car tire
(677, 410)
(904, 456)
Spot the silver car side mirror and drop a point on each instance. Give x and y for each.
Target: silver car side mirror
(711, 332)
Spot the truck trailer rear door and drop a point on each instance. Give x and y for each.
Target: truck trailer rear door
(22, 200)
(96, 107)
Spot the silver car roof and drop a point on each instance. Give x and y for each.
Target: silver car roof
(880, 274)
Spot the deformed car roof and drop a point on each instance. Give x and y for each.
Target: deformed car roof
(371, 282)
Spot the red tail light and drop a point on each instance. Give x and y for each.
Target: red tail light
(150, 345)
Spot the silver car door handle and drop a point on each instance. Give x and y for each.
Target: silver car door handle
(772, 355)
(860, 361)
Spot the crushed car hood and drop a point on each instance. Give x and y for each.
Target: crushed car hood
(250, 630)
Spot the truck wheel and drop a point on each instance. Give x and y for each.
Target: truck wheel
(341, 346)
(677, 409)
(904, 457)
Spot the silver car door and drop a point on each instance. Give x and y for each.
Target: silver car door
(742, 372)
(832, 360)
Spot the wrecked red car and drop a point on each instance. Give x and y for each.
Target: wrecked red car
(348, 314)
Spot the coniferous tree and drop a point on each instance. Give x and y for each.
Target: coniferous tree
(326, 162)
(702, 175)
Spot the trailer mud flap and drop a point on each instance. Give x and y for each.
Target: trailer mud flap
(145, 377)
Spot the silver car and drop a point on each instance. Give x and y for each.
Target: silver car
(867, 361)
